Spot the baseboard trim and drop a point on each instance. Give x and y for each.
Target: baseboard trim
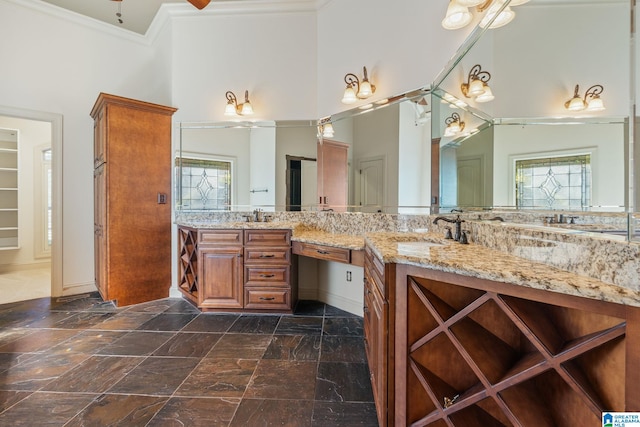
(346, 304)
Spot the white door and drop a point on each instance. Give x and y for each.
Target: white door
(470, 182)
(309, 183)
(371, 184)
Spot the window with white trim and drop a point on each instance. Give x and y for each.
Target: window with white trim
(203, 184)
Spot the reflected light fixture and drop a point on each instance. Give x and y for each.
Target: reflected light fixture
(476, 85)
(502, 17)
(454, 125)
(459, 14)
(591, 100)
(357, 89)
(325, 128)
(235, 109)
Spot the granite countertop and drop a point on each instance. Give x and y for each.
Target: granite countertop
(484, 263)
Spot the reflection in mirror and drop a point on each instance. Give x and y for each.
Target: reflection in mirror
(533, 153)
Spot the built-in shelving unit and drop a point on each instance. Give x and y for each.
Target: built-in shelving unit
(8, 189)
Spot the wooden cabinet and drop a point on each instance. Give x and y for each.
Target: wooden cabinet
(470, 352)
(329, 253)
(378, 334)
(333, 175)
(132, 208)
(237, 270)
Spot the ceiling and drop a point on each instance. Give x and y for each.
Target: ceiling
(137, 15)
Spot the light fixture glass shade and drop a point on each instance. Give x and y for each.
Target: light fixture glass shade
(575, 104)
(476, 87)
(327, 130)
(230, 109)
(452, 129)
(365, 89)
(247, 109)
(518, 2)
(349, 96)
(486, 96)
(595, 104)
(501, 20)
(457, 16)
(472, 3)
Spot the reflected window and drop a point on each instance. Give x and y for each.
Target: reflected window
(562, 182)
(204, 184)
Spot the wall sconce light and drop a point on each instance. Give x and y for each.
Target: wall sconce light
(325, 128)
(357, 89)
(476, 85)
(594, 103)
(235, 109)
(459, 16)
(454, 125)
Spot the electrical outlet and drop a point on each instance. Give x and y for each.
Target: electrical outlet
(348, 276)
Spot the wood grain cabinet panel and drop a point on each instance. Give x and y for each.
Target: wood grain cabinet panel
(132, 168)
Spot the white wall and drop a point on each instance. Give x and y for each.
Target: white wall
(414, 160)
(292, 140)
(262, 167)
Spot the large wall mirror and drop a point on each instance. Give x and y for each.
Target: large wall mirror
(524, 149)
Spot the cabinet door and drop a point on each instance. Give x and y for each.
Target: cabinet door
(378, 342)
(220, 277)
(99, 138)
(100, 244)
(333, 175)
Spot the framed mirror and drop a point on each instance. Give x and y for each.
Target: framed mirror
(524, 150)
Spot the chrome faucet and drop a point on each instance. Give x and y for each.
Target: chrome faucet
(458, 222)
(259, 215)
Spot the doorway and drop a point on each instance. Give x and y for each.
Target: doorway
(371, 184)
(33, 267)
(302, 182)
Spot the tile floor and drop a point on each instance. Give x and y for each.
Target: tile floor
(83, 362)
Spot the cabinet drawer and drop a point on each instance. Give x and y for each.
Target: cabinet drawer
(220, 237)
(267, 255)
(329, 253)
(267, 298)
(267, 238)
(266, 276)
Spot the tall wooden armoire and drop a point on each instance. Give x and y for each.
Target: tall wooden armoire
(132, 203)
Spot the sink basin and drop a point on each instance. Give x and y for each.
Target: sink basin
(420, 247)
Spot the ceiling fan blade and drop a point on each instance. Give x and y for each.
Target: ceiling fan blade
(200, 4)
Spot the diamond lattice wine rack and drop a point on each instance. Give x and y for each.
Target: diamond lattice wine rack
(188, 262)
(476, 357)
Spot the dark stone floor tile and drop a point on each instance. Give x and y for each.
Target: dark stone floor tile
(10, 398)
(157, 376)
(137, 343)
(49, 319)
(88, 342)
(182, 306)
(125, 321)
(211, 322)
(343, 382)
(95, 375)
(82, 320)
(82, 302)
(263, 412)
(167, 322)
(218, 378)
(45, 409)
(38, 371)
(37, 304)
(9, 360)
(294, 347)
(309, 308)
(282, 379)
(240, 346)
(337, 348)
(331, 311)
(119, 410)
(299, 325)
(157, 306)
(253, 324)
(192, 344)
(195, 412)
(40, 340)
(344, 414)
(350, 326)
(14, 319)
(8, 335)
